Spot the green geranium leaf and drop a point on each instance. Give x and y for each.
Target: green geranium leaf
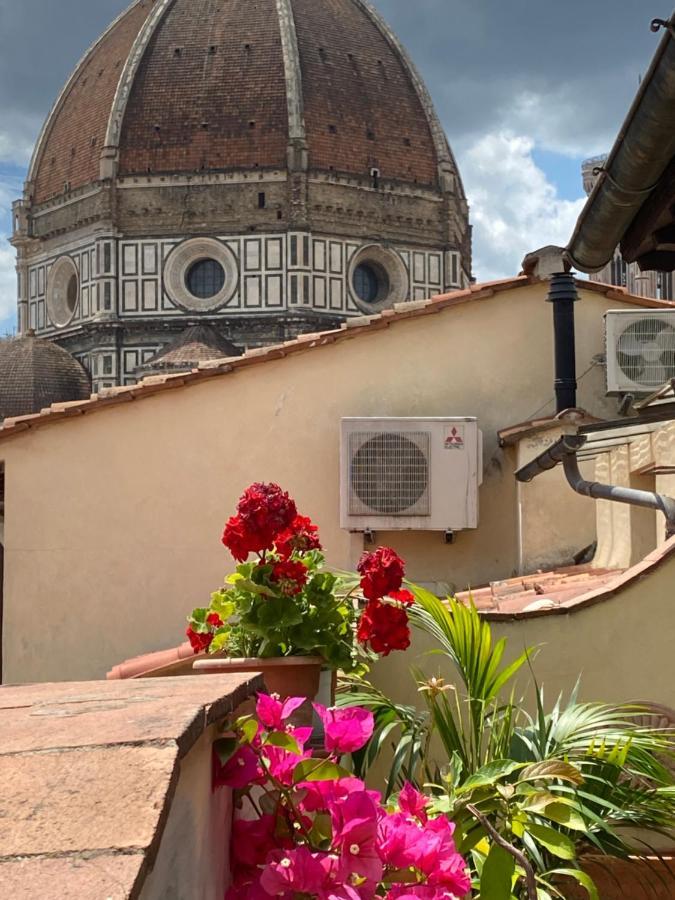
(197, 621)
(223, 604)
(220, 641)
(497, 876)
(556, 843)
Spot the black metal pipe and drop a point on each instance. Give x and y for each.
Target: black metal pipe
(563, 295)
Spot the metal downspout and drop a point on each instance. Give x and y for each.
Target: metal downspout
(565, 451)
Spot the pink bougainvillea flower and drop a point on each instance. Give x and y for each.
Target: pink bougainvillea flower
(273, 713)
(281, 763)
(405, 598)
(413, 803)
(357, 838)
(346, 730)
(420, 892)
(240, 771)
(301, 735)
(251, 890)
(297, 871)
(324, 795)
(399, 840)
(252, 841)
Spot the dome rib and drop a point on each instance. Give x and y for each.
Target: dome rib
(294, 94)
(209, 93)
(444, 154)
(126, 82)
(44, 185)
(177, 86)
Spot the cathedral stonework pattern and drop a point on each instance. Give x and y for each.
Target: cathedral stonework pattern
(264, 169)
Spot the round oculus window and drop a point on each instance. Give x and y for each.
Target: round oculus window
(63, 291)
(378, 279)
(71, 293)
(205, 278)
(370, 282)
(201, 274)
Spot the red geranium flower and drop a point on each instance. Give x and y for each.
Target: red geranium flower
(291, 576)
(263, 512)
(202, 642)
(238, 541)
(405, 598)
(302, 536)
(382, 572)
(384, 627)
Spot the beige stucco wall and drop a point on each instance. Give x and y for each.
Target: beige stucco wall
(112, 521)
(554, 523)
(193, 855)
(626, 534)
(621, 649)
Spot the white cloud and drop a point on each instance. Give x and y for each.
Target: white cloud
(9, 190)
(7, 287)
(18, 134)
(514, 208)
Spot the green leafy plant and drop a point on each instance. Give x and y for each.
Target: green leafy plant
(283, 601)
(529, 793)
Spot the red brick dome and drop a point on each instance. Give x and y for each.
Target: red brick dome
(178, 86)
(35, 373)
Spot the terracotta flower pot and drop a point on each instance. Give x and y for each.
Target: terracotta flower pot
(288, 676)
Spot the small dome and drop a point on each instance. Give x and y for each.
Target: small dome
(197, 344)
(35, 373)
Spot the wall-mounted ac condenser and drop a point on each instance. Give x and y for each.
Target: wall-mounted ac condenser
(640, 350)
(410, 474)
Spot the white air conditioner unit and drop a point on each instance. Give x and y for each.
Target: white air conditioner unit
(640, 350)
(410, 474)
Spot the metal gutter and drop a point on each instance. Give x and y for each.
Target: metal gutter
(642, 151)
(565, 451)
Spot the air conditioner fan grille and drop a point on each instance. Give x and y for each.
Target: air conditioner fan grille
(645, 352)
(389, 473)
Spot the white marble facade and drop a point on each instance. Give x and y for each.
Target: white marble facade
(124, 279)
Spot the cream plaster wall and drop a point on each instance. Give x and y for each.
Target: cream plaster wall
(193, 857)
(627, 534)
(622, 649)
(554, 522)
(112, 521)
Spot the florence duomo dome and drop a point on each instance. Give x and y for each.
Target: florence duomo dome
(260, 167)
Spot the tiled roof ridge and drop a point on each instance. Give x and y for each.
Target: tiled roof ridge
(351, 328)
(603, 585)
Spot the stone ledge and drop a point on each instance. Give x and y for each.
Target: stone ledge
(88, 773)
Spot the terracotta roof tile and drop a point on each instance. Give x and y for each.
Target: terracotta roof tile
(436, 304)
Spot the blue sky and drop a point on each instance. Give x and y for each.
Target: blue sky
(524, 95)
